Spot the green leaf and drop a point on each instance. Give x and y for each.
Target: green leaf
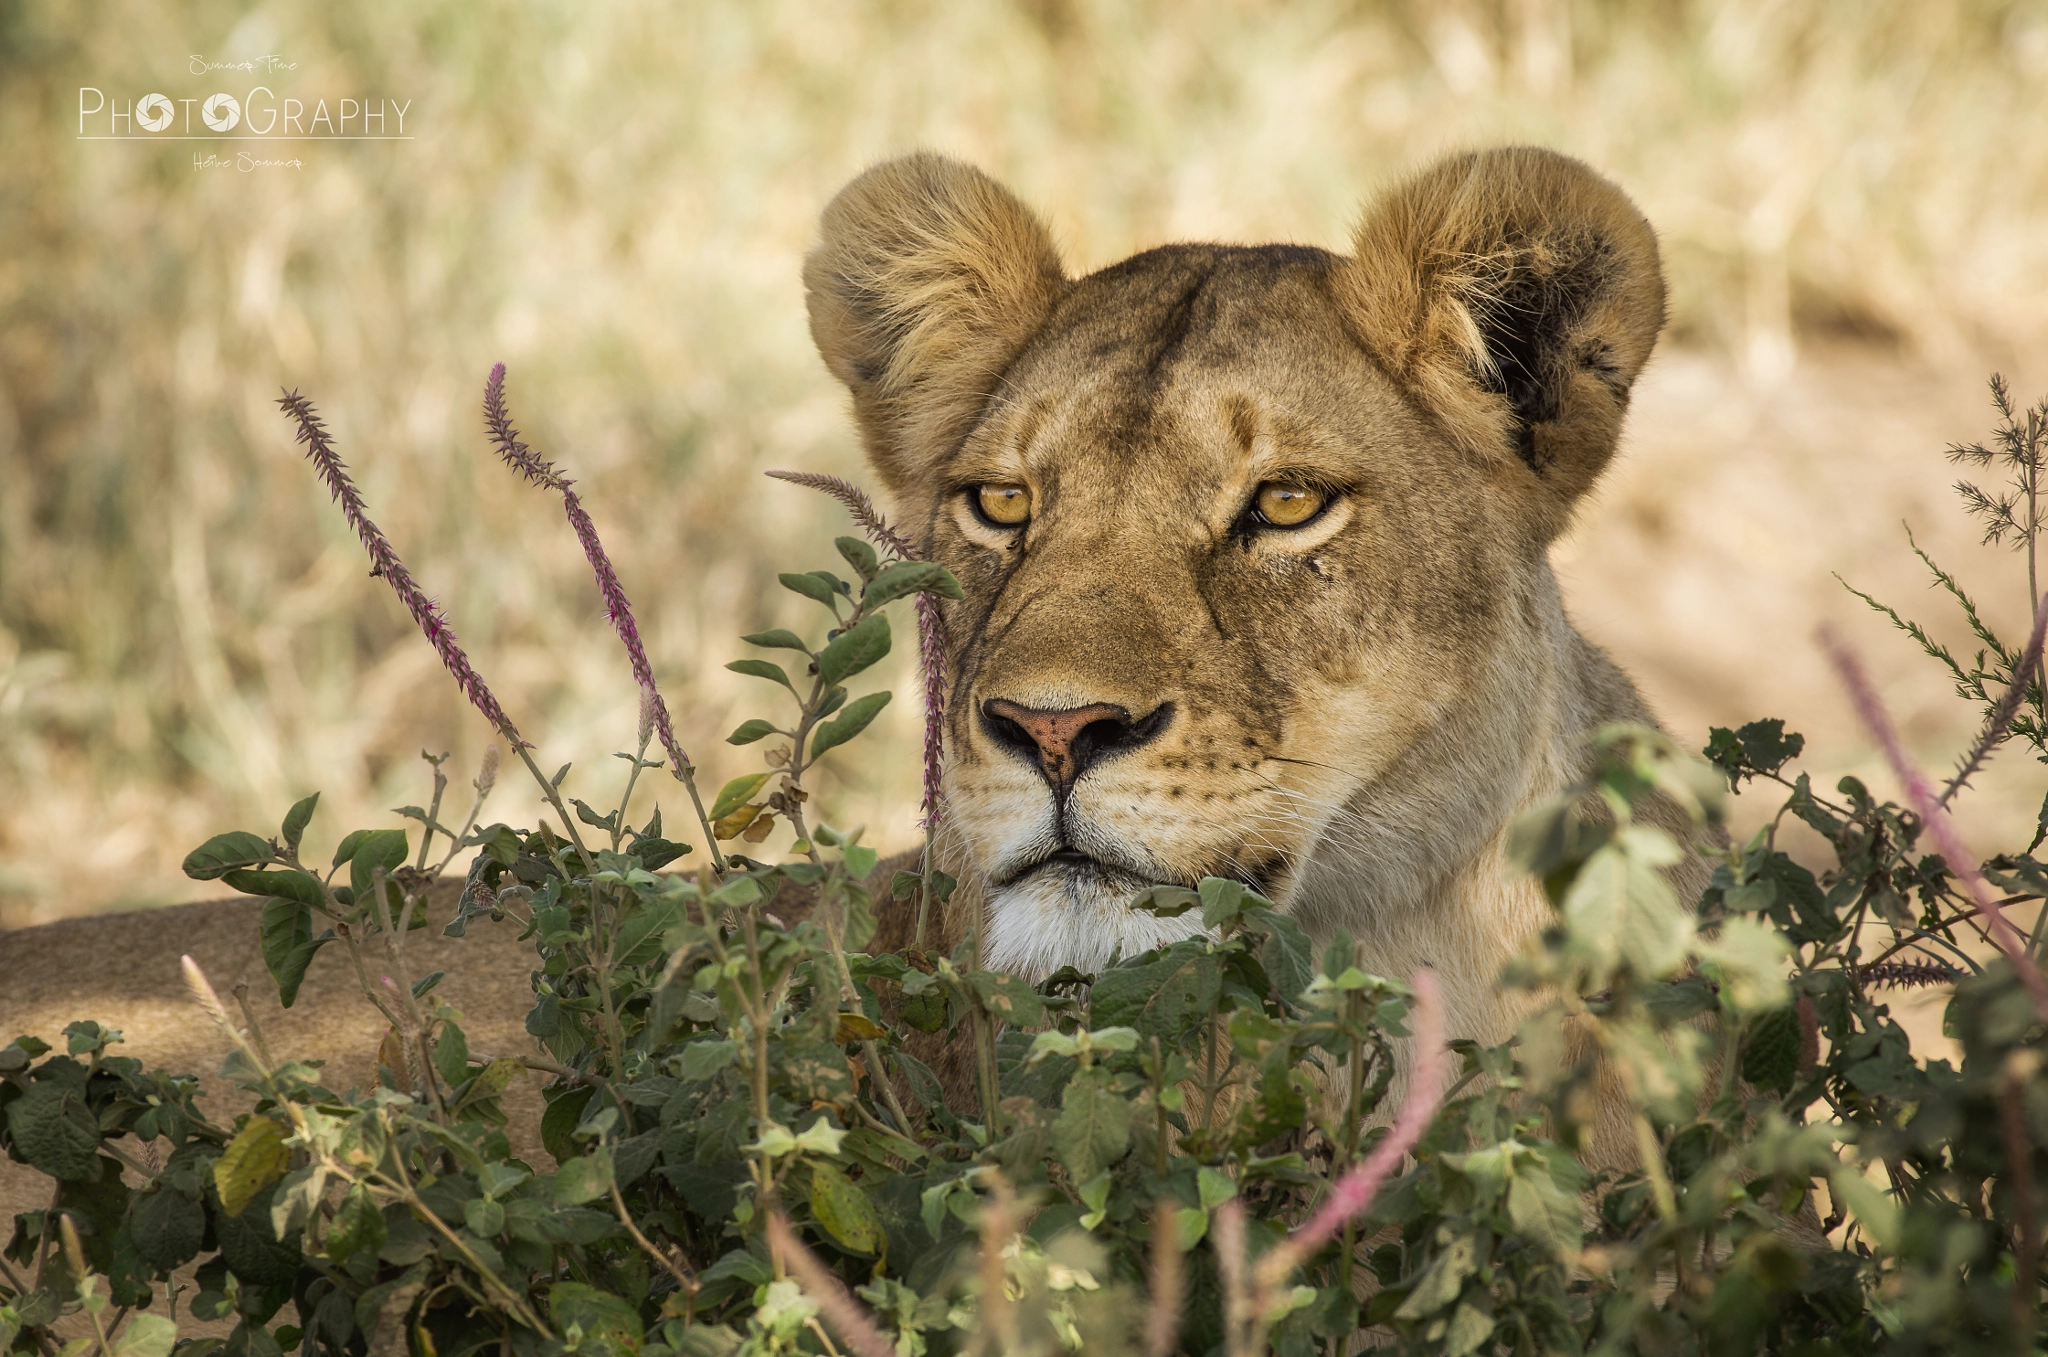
(1288, 955)
(848, 723)
(762, 669)
(1770, 1051)
(855, 649)
(1621, 909)
(147, 1336)
(584, 1179)
(1544, 1211)
(424, 986)
(845, 1211)
(1162, 998)
(295, 821)
(166, 1228)
(1441, 1282)
(564, 1113)
(910, 577)
(500, 844)
(815, 585)
(736, 793)
(286, 931)
(451, 1055)
(1094, 1126)
(484, 1217)
(608, 1324)
(702, 1059)
(778, 639)
(56, 1132)
(859, 555)
(750, 731)
(384, 848)
(287, 885)
(1009, 1000)
(223, 853)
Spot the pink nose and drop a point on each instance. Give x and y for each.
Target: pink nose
(1066, 743)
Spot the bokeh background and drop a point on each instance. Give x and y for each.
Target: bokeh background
(1852, 196)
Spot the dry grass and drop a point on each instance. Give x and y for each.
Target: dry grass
(615, 201)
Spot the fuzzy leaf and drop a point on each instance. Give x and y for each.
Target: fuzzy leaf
(55, 1131)
(750, 731)
(855, 649)
(859, 555)
(778, 639)
(223, 853)
(166, 1228)
(910, 577)
(584, 1179)
(848, 723)
(1094, 1125)
(736, 793)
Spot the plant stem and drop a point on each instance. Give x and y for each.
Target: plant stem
(433, 813)
(639, 762)
(548, 790)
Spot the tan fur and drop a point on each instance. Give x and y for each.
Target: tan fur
(1354, 711)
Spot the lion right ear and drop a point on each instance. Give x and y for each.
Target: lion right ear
(928, 279)
(1516, 294)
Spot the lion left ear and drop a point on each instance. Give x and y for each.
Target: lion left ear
(1516, 294)
(928, 279)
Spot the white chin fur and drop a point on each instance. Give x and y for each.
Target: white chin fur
(1058, 917)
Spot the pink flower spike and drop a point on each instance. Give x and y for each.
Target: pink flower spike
(618, 608)
(931, 634)
(384, 561)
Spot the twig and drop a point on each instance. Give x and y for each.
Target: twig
(683, 1278)
(1921, 794)
(851, 1320)
(534, 1062)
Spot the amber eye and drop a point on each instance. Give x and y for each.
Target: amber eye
(1288, 506)
(1006, 506)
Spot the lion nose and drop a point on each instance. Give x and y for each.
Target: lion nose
(1067, 743)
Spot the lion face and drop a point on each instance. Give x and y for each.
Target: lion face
(1252, 539)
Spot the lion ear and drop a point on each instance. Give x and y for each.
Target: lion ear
(1516, 294)
(928, 279)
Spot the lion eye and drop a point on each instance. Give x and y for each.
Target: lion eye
(1006, 506)
(1288, 506)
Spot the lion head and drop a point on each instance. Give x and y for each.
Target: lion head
(1254, 540)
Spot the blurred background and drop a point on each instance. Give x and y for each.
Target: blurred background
(1852, 196)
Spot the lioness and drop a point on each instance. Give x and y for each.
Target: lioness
(1254, 543)
(1254, 547)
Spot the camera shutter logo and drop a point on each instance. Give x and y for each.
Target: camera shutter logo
(221, 112)
(154, 113)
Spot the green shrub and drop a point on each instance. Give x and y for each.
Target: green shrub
(1167, 1154)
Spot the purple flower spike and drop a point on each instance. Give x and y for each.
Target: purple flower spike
(542, 472)
(425, 612)
(931, 635)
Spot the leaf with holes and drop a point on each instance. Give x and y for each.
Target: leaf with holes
(845, 1211)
